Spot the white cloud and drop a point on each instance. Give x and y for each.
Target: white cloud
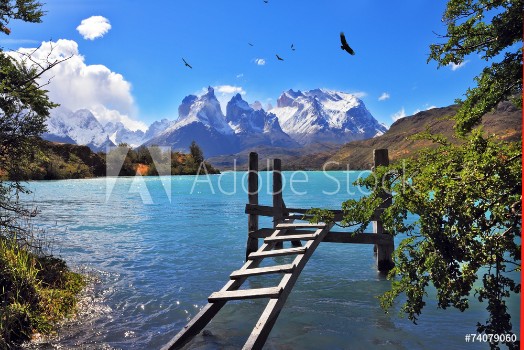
(76, 85)
(426, 108)
(399, 115)
(229, 89)
(384, 96)
(260, 61)
(94, 27)
(454, 66)
(359, 94)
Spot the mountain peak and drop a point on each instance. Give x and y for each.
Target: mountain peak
(210, 92)
(319, 115)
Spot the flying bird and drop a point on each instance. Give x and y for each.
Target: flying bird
(293, 47)
(250, 44)
(187, 64)
(279, 58)
(345, 45)
(266, 1)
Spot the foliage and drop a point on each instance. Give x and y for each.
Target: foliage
(196, 152)
(29, 299)
(125, 161)
(36, 292)
(491, 29)
(467, 203)
(54, 161)
(466, 196)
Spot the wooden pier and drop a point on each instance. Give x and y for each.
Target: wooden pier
(285, 229)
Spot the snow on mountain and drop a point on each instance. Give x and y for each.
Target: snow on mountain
(255, 127)
(118, 133)
(81, 127)
(324, 115)
(156, 128)
(300, 118)
(200, 119)
(204, 109)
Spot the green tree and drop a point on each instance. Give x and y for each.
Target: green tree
(491, 29)
(466, 198)
(24, 108)
(196, 153)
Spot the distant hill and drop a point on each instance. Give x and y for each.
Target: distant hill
(505, 122)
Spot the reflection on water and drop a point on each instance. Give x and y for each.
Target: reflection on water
(154, 265)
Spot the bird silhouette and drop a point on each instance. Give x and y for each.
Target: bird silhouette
(293, 47)
(250, 44)
(187, 64)
(279, 58)
(345, 45)
(266, 1)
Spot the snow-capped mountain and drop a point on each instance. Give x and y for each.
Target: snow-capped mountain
(156, 128)
(322, 115)
(118, 133)
(200, 119)
(81, 127)
(300, 118)
(254, 127)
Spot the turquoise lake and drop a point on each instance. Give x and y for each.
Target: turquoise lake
(158, 247)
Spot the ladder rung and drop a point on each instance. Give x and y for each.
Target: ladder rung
(305, 225)
(262, 271)
(305, 237)
(277, 252)
(271, 292)
(298, 217)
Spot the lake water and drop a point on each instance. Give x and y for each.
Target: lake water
(160, 246)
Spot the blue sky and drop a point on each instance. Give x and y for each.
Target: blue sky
(139, 57)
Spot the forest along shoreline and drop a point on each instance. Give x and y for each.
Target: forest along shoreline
(61, 161)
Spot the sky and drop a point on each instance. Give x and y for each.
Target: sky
(126, 55)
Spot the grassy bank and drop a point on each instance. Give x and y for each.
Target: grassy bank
(36, 292)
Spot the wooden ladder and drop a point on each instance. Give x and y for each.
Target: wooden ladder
(277, 295)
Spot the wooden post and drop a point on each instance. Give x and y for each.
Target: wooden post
(384, 251)
(252, 195)
(278, 202)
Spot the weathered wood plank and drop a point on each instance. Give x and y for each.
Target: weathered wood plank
(303, 237)
(198, 322)
(297, 217)
(252, 196)
(279, 252)
(384, 251)
(301, 225)
(265, 210)
(194, 326)
(333, 236)
(361, 238)
(262, 271)
(278, 201)
(262, 233)
(256, 293)
(268, 318)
